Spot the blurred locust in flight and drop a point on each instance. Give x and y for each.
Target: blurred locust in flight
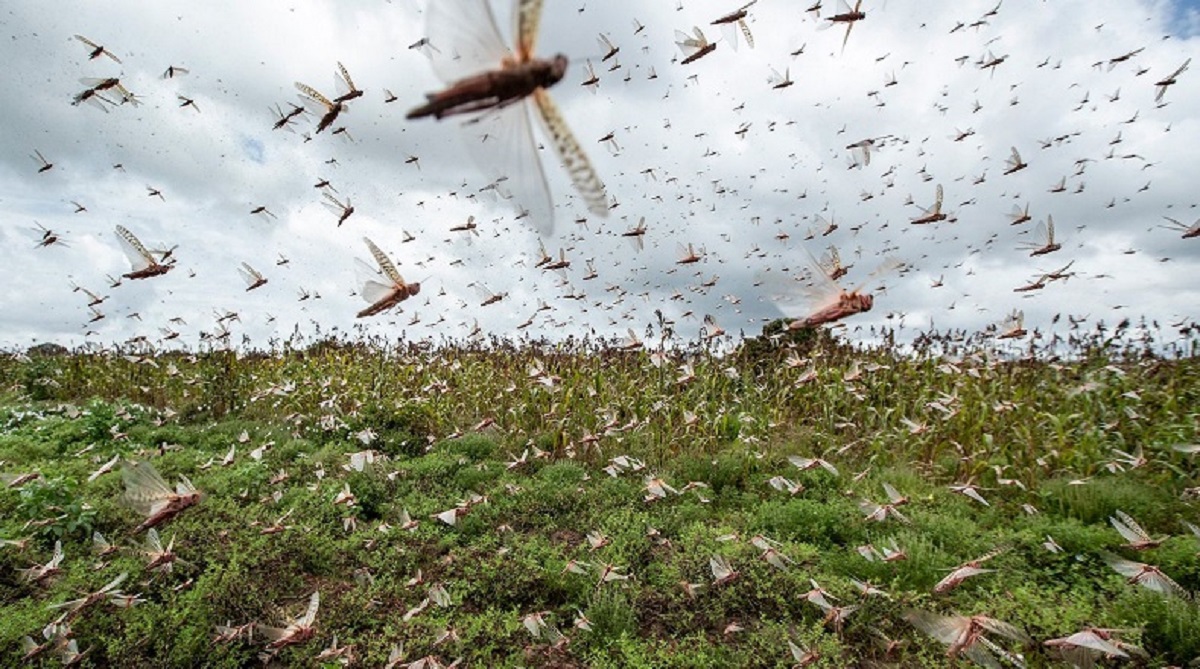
(826, 301)
(847, 16)
(493, 82)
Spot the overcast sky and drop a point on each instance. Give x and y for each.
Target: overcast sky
(709, 153)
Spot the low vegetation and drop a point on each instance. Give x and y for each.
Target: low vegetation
(610, 508)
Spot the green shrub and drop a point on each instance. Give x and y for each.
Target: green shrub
(55, 509)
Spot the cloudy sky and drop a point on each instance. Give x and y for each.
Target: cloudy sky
(708, 153)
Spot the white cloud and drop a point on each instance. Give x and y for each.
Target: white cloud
(734, 195)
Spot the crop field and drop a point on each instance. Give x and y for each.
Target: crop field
(796, 501)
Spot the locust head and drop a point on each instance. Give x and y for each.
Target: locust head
(558, 68)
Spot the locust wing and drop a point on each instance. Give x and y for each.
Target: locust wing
(945, 629)
(138, 256)
(310, 614)
(574, 159)
(314, 101)
(735, 23)
(385, 263)
(502, 146)
(1128, 528)
(343, 84)
(937, 203)
(691, 47)
(251, 276)
(529, 20)
(145, 490)
(370, 287)
(467, 31)
(800, 295)
(1077, 648)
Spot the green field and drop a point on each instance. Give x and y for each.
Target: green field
(519, 439)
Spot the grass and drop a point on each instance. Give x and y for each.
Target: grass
(550, 419)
